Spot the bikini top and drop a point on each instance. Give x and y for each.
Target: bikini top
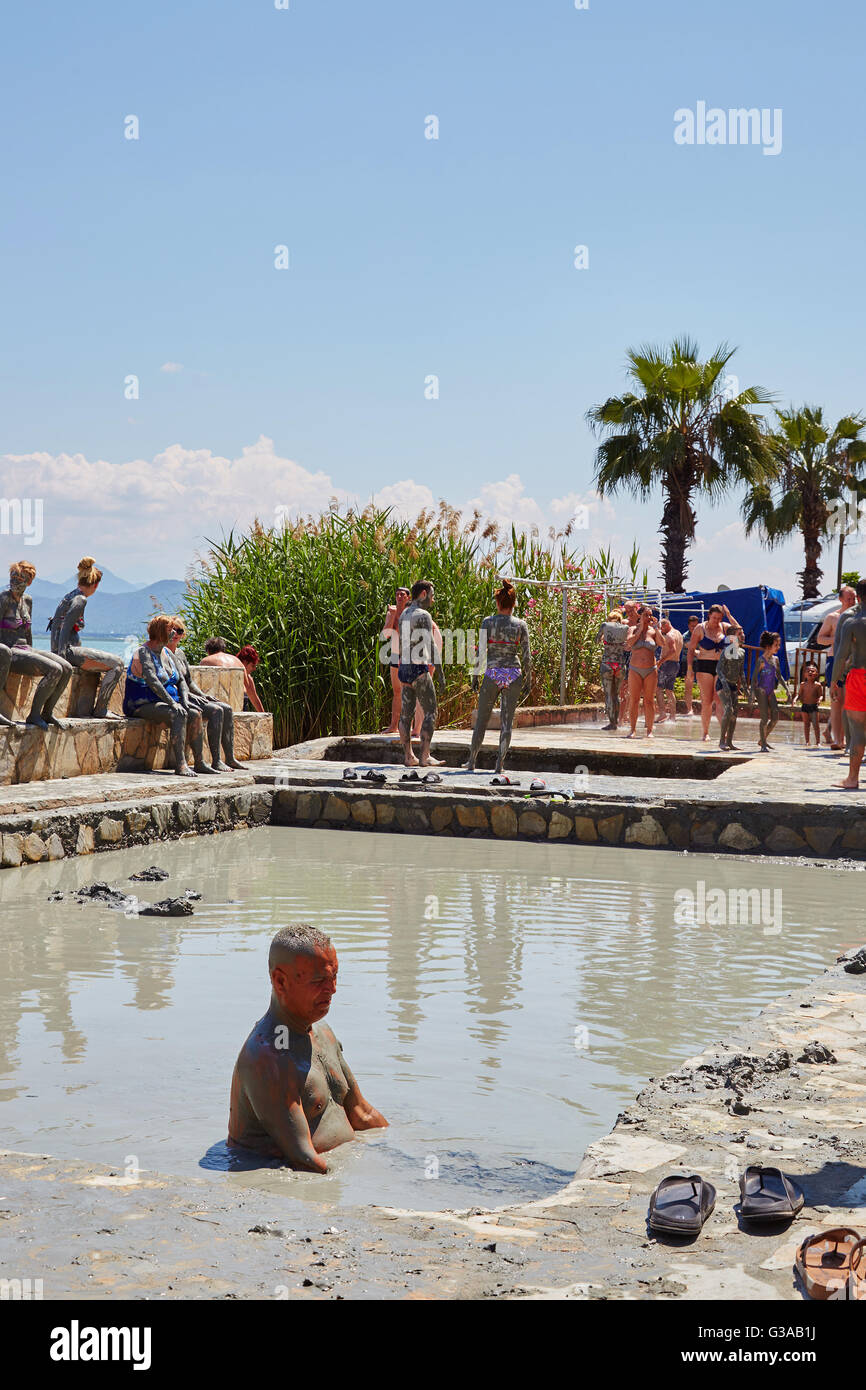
(644, 643)
(709, 645)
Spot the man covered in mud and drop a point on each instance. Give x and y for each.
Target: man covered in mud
(293, 1095)
(418, 653)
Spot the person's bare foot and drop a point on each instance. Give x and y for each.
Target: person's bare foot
(185, 771)
(662, 719)
(411, 760)
(389, 730)
(848, 785)
(705, 739)
(633, 734)
(650, 735)
(432, 762)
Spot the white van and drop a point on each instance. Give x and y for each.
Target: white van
(802, 621)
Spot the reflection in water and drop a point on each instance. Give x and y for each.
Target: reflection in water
(469, 971)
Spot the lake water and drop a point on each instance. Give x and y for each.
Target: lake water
(499, 1002)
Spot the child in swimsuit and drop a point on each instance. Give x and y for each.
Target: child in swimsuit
(810, 694)
(765, 677)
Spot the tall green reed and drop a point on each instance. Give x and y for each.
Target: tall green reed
(311, 596)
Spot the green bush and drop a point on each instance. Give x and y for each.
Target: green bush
(311, 597)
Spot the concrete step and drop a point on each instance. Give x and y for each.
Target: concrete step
(79, 697)
(88, 746)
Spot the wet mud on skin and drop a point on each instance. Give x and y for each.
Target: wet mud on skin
(521, 1001)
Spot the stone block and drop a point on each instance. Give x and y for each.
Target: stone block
(206, 811)
(645, 831)
(705, 833)
(441, 816)
(560, 826)
(610, 828)
(531, 823)
(503, 822)
(736, 836)
(11, 850)
(384, 814)
(55, 847)
(137, 821)
(335, 808)
(185, 814)
(109, 831)
(34, 848)
(584, 829)
(472, 817)
(160, 813)
(84, 843)
(821, 838)
(309, 806)
(783, 840)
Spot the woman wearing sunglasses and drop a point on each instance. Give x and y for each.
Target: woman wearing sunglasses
(218, 716)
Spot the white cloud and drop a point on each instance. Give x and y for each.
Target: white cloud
(171, 367)
(506, 502)
(147, 518)
(407, 499)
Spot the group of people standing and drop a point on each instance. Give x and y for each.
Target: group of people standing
(643, 652)
(159, 683)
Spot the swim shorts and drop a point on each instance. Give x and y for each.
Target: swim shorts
(668, 672)
(855, 690)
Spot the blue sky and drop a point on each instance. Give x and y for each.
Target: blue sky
(409, 257)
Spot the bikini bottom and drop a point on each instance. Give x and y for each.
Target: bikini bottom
(641, 671)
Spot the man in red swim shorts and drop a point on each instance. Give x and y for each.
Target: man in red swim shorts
(850, 661)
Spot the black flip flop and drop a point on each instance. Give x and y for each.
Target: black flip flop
(349, 774)
(378, 777)
(411, 776)
(680, 1205)
(431, 777)
(564, 793)
(768, 1194)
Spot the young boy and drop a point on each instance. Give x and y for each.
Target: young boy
(810, 695)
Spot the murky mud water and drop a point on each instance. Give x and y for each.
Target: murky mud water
(499, 1002)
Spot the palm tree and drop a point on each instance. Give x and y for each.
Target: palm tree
(683, 430)
(813, 467)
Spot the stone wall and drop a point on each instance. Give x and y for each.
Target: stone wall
(58, 834)
(717, 828)
(88, 746)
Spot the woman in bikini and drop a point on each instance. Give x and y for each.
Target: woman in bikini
(643, 639)
(20, 656)
(507, 674)
(705, 648)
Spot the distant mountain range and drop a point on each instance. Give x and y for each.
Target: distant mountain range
(117, 609)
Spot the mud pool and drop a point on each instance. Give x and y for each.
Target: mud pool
(500, 1002)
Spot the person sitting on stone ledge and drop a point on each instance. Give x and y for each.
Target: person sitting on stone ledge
(16, 636)
(217, 714)
(246, 660)
(156, 691)
(293, 1095)
(65, 626)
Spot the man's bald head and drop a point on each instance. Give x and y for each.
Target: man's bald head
(297, 939)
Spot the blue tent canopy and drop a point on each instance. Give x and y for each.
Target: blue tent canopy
(758, 609)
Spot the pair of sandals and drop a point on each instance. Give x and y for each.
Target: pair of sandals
(430, 778)
(680, 1205)
(350, 775)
